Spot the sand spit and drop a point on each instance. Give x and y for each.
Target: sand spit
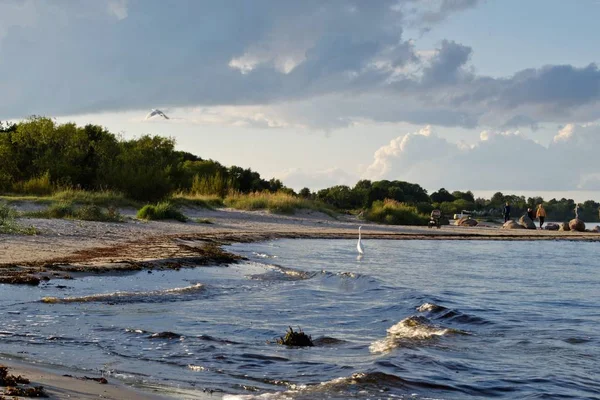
(65, 247)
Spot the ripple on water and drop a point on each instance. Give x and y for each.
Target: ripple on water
(173, 294)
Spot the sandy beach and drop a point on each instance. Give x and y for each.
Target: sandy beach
(67, 247)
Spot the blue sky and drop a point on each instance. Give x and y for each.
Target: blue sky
(511, 35)
(465, 94)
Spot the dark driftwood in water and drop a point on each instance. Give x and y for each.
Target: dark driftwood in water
(298, 338)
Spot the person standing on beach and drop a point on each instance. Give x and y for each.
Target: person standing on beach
(506, 212)
(531, 214)
(541, 214)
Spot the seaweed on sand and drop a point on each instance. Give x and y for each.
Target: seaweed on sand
(298, 338)
(12, 383)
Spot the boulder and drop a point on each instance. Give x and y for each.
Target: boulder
(512, 225)
(466, 221)
(596, 229)
(577, 225)
(552, 227)
(564, 227)
(526, 222)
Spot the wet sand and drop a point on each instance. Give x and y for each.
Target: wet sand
(57, 386)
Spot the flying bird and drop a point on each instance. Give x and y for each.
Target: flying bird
(359, 246)
(154, 112)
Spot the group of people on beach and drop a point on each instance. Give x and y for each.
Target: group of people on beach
(540, 213)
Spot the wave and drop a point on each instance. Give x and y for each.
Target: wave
(279, 273)
(126, 296)
(450, 315)
(368, 384)
(431, 307)
(263, 255)
(409, 330)
(327, 341)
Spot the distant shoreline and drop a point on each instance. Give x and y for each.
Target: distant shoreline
(65, 247)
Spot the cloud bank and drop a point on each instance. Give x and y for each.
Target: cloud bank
(498, 160)
(315, 64)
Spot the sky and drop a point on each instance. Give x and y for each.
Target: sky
(496, 95)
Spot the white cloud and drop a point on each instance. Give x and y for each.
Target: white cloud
(322, 65)
(118, 8)
(499, 160)
(565, 134)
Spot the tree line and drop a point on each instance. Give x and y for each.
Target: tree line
(38, 155)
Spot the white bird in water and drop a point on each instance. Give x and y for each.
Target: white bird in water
(155, 112)
(359, 246)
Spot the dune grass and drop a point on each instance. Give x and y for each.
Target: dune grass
(395, 213)
(280, 203)
(67, 210)
(184, 199)
(101, 198)
(160, 211)
(8, 224)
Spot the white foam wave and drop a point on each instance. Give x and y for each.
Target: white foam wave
(409, 329)
(122, 295)
(428, 307)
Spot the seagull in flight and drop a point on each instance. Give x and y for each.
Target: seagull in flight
(155, 112)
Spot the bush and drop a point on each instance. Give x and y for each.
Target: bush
(102, 198)
(163, 210)
(66, 210)
(8, 224)
(196, 200)
(96, 213)
(395, 213)
(280, 202)
(40, 186)
(57, 210)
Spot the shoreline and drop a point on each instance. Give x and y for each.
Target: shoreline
(60, 383)
(67, 248)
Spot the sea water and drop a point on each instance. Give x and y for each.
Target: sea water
(409, 320)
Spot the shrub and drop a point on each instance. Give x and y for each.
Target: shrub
(40, 186)
(280, 202)
(197, 200)
(395, 213)
(102, 198)
(66, 210)
(96, 213)
(57, 210)
(8, 223)
(163, 210)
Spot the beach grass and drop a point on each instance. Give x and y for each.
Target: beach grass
(184, 199)
(279, 202)
(101, 198)
(87, 212)
(161, 211)
(8, 224)
(393, 212)
(204, 221)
